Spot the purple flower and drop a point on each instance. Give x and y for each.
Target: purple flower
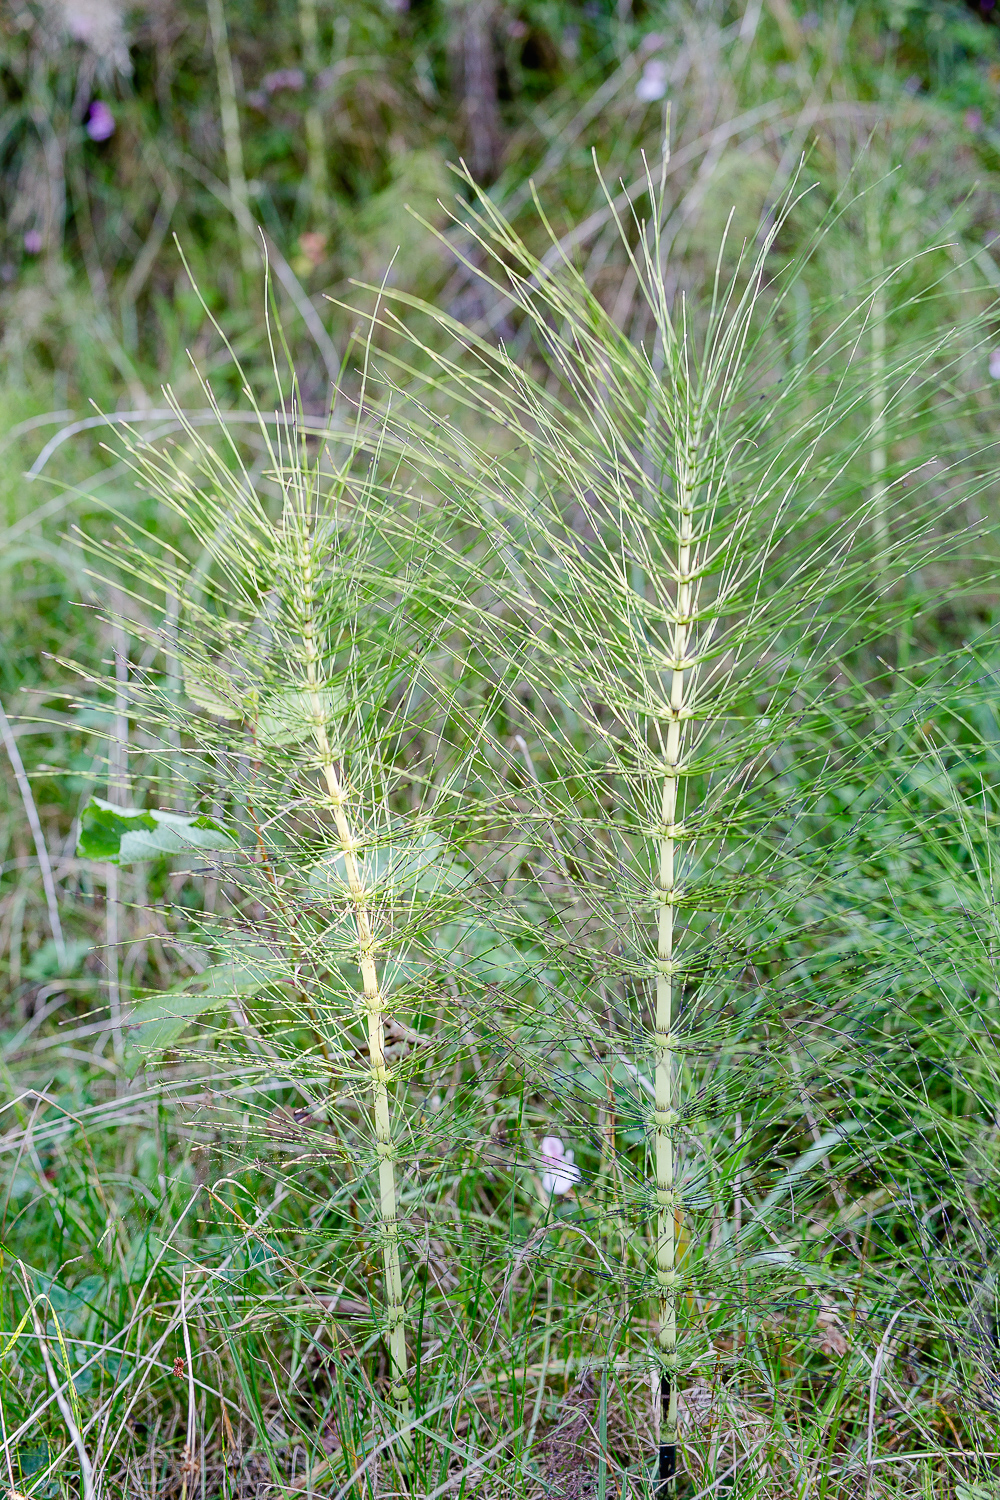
(994, 359)
(973, 120)
(100, 121)
(33, 241)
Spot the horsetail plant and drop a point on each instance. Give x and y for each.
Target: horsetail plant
(300, 522)
(674, 553)
(653, 554)
(297, 652)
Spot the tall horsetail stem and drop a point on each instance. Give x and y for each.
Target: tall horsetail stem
(395, 1312)
(664, 1040)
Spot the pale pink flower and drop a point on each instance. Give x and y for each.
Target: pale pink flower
(653, 83)
(100, 26)
(560, 1174)
(33, 241)
(994, 359)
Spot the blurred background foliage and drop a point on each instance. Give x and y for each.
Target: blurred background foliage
(124, 127)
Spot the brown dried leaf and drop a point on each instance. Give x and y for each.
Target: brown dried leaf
(831, 1335)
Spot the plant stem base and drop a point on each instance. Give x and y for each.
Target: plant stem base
(665, 1483)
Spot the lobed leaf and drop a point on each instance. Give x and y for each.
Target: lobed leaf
(290, 718)
(156, 1024)
(125, 835)
(422, 865)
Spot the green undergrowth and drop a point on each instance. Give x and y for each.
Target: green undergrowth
(207, 1223)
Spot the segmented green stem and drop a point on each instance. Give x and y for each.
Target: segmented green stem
(664, 1040)
(381, 1076)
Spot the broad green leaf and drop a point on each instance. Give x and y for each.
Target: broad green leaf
(402, 969)
(486, 954)
(155, 1024)
(23, 1185)
(290, 717)
(44, 963)
(203, 696)
(422, 864)
(124, 835)
(73, 1307)
(30, 1459)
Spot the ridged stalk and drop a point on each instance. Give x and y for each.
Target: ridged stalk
(395, 1311)
(664, 1040)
